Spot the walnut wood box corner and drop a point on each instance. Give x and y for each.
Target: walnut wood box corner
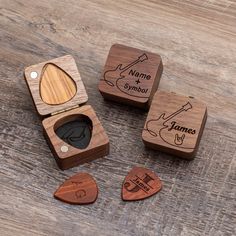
(131, 76)
(174, 124)
(72, 129)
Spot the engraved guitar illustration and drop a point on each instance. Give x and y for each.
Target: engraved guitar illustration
(168, 129)
(117, 73)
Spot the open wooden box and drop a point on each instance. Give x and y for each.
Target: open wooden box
(73, 131)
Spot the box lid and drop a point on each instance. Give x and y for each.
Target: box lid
(55, 85)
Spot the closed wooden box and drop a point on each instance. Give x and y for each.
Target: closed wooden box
(175, 124)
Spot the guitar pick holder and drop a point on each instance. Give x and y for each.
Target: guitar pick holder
(175, 123)
(72, 129)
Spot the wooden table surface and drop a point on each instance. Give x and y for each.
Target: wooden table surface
(197, 42)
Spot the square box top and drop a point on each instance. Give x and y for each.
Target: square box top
(55, 85)
(130, 76)
(174, 124)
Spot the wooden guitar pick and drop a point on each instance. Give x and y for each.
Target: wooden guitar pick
(175, 124)
(56, 86)
(76, 133)
(79, 189)
(139, 184)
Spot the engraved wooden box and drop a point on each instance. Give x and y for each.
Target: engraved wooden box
(72, 129)
(175, 124)
(130, 76)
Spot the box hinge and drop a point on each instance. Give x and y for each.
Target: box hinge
(67, 109)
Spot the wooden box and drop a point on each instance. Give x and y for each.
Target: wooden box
(130, 76)
(72, 129)
(174, 124)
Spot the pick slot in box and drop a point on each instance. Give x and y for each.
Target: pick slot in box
(72, 129)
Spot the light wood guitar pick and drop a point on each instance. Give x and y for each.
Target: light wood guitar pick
(139, 184)
(79, 189)
(56, 86)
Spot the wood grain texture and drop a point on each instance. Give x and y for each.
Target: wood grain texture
(140, 183)
(130, 76)
(56, 86)
(197, 43)
(79, 189)
(175, 124)
(98, 146)
(39, 88)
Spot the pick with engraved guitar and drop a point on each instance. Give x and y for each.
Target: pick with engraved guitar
(118, 73)
(79, 189)
(169, 130)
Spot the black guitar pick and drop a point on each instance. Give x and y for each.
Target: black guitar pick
(76, 133)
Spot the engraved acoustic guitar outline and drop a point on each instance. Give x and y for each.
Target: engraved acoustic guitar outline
(118, 73)
(162, 120)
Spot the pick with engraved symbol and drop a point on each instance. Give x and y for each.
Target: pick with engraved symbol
(139, 184)
(79, 189)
